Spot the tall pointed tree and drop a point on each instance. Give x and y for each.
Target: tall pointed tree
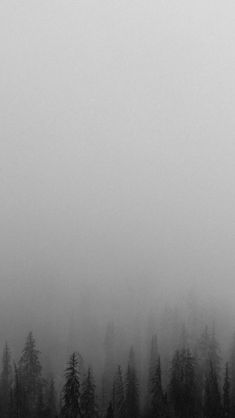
(226, 394)
(158, 406)
(119, 395)
(88, 403)
(30, 374)
(132, 393)
(71, 390)
(6, 382)
(212, 398)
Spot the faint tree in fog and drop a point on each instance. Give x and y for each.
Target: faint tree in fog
(212, 398)
(110, 413)
(50, 399)
(71, 389)
(30, 375)
(88, 402)
(226, 394)
(6, 383)
(158, 408)
(119, 395)
(183, 385)
(132, 392)
(109, 366)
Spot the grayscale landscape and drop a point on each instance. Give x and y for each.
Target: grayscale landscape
(117, 214)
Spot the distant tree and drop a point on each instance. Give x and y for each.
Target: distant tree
(132, 393)
(214, 352)
(19, 397)
(88, 404)
(232, 373)
(50, 399)
(6, 383)
(183, 385)
(119, 401)
(110, 413)
(30, 376)
(71, 390)
(226, 394)
(158, 406)
(109, 366)
(212, 399)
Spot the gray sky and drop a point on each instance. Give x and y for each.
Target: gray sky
(117, 150)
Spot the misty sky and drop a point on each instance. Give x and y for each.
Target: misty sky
(117, 150)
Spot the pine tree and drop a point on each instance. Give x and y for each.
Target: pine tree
(109, 368)
(132, 393)
(6, 382)
(226, 394)
(30, 375)
(119, 395)
(212, 400)
(110, 413)
(71, 390)
(88, 404)
(183, 385)
(158, 402)
(50, 400)
(232, 372)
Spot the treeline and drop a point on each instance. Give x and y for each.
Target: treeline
(196, 384)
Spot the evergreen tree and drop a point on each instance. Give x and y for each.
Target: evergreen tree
(158, 400)
(88, 404)
(6, 383)
(30, 376)
(119, 395)
(183, 385)
(132, 393)
(226, 394)
(50, 400)
(212, 400)
(232, 372)
(110, 413)
(71, 390)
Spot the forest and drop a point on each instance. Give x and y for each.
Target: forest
(190, 377)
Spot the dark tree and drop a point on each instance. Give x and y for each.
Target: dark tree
(119, 395)
(212, 400)
(232, 372)
(110, 413)
(158, 399)
(88, 404)
(6, 383)
(183, 385)
(30, 376)
(50, 399)
(132, 393)
(71, 389)
(226, 394)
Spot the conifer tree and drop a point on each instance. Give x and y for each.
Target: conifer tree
(132, 393)
(110, 413)
(50, 400)
(226, 393)
(6, 382)
(158, 400)
(232, 373)
(183, 386)
(71, 389)
(88, 404)
(212, 399)
(30, 375)
(119, 395)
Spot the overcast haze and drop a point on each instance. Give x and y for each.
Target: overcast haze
(116, 155)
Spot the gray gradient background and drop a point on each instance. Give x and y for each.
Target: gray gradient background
(116, 155)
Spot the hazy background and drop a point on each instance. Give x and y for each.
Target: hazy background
(116, 157)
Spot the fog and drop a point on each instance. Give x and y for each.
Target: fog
(116, 162)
